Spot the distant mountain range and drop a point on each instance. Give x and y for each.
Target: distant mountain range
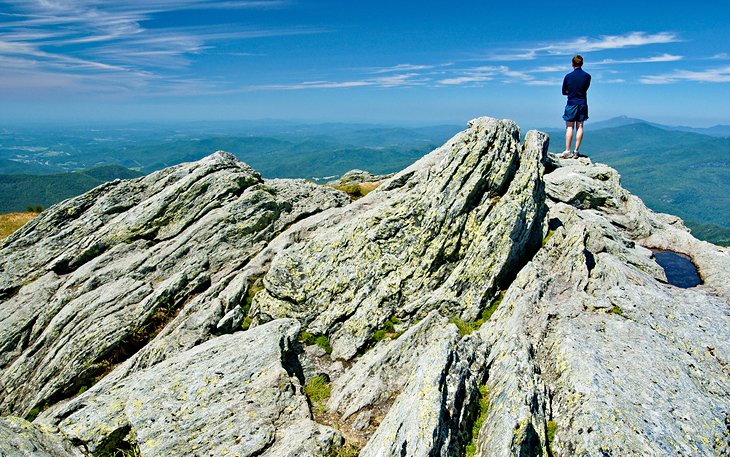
(673, 171)
(679, 170)
(620, 121)
(20, 191)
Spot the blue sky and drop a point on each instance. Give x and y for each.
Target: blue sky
(374, 61)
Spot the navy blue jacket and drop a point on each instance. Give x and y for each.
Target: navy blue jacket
(575, 86)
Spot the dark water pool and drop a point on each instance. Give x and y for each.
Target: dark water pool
(680, 270)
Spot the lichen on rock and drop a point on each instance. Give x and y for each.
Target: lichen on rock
(185, 312)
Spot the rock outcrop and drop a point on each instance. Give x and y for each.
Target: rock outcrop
(489, 300)
(92, 280)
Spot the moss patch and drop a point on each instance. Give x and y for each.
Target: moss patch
(616, 310)
(33, 413)
(346, 450)
(471, 448)
(388, 330)
(551, 428)
(466, 328)
(320, 340)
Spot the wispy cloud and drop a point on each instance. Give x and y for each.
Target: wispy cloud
(402, 67)
(482, 74)
(100, 41)
(585, 45)
(544, 83)
(711, 75)
(655, 59)
(397, 80)
(473, 75)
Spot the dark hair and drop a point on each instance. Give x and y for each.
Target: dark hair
(578, 61)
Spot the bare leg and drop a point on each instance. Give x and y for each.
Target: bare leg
(569, 133)
(578, 136)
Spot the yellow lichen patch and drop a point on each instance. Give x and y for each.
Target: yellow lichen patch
(13, 221)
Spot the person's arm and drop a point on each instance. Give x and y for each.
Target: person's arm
(588, 84)
(565, 86)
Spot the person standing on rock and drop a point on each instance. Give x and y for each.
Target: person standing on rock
(575, 86)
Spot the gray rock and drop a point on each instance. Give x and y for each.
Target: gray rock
(590, 339)
(383, 372)
(359, 177)
(20, 438)
(417, 243)
(588, 342)
(93, 279)
(236, 394)
(430, 414)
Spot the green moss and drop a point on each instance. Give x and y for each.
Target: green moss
(379, 335)
(466, 328)
(387, 330)
(323, 342)
(616, 310)
(33, 413)
(547, 237)
(320, 340)
(346, 450)
(551, 428)
(471, 448)
(246, 323)
(307, 338)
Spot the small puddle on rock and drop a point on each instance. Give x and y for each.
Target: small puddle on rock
(680, 270)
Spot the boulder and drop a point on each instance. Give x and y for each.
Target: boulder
(237, 394)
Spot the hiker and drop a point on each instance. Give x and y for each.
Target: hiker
(575, 86)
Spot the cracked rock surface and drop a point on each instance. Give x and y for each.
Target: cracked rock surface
(92, 279)
(489, 300)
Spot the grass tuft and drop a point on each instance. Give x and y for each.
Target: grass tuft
(318, 390)
(547, 237)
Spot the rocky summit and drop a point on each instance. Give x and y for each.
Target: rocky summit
(489, 300)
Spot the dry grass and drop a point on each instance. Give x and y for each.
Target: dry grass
(357, 191)
(13, 221)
